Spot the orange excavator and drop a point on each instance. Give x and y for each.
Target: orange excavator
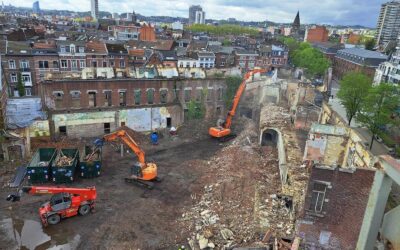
(223, 131)
(143, 173)
(66, 202)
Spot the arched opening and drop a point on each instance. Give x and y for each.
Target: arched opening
(269, 138)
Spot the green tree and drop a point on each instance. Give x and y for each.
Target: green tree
(369, 44)
(196, 110)
(353, 89)
(226, 42)
(20, 86)
(378, 108)
(311, 59)
(232, 84)
(291, 43)
(225, 29)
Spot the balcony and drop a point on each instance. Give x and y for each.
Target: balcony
(25, 69)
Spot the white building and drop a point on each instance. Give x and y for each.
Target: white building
(95, 9)
(177, 26)
(200, 17)
(389, 71)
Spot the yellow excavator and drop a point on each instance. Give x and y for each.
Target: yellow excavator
(143, 173)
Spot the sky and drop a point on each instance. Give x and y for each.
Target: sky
(336, 12)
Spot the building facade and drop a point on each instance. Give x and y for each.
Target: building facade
(95, 9)
(89, 108)
(388, 25)
(192, 13)
(317, 34)
(356, 59)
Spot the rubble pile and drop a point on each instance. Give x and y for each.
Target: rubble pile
(240, 201)
(64, 161)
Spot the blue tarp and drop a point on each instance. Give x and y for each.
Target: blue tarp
(21, 112)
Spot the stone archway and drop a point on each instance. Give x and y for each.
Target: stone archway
(269, 138)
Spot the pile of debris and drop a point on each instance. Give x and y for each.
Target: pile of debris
(240, 202)
(64, 161)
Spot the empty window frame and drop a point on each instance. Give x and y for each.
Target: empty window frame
(318, 197)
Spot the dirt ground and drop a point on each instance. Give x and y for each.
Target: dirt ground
(126, 216)
(225, 195)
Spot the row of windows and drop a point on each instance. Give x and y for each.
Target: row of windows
(23, 64)
(26, 78)
(71, 49)
(137, 97)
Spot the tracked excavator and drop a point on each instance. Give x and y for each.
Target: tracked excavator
(65, 202)
(223, 129)
(142, 173)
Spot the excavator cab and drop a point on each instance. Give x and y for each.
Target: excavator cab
(136, 170)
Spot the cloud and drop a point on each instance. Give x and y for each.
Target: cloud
(349, 12)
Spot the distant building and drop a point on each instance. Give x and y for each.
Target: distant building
(317, 34)
(147, 33)
(356, 59)
(115, 15)
(134, 17)
(35, 7)
(296, 23)
(200, 17)
(177, 25)
(389, 71)
(328, 49)
(388, 25)
(125, 33)
(95, 9)
(192, 13)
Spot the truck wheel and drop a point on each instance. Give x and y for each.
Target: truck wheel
(53, 219)
(84, 210)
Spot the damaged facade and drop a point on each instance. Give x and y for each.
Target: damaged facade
(94, 107)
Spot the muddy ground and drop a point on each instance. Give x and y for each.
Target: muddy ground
(224, 194)
(126, 216)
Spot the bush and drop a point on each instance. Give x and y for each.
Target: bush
(196, 110)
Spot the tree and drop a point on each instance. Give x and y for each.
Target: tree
(378, 107)
(291, 44)
(369, 44)
(232, 84)
(20, 86)
(196, 110)
(226, 42)
(311, 59)
(353, 89)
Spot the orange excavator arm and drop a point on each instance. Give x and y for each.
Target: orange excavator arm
(128, 140)
(238, 95)
(224, 131)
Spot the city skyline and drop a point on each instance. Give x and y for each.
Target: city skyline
(331, 12)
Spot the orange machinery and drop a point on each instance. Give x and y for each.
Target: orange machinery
(143, 173)
(224, 132)
(66, 202)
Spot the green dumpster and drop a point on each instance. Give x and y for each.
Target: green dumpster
(90, 162)
(39, 168)
(65, 164)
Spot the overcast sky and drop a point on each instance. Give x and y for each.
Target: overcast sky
(350, 12)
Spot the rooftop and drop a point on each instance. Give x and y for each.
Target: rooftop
(364, 53)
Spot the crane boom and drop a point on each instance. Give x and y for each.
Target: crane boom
(87, 193)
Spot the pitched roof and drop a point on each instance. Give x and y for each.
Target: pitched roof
(164, 44)
(136, 52)
(96, 47)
